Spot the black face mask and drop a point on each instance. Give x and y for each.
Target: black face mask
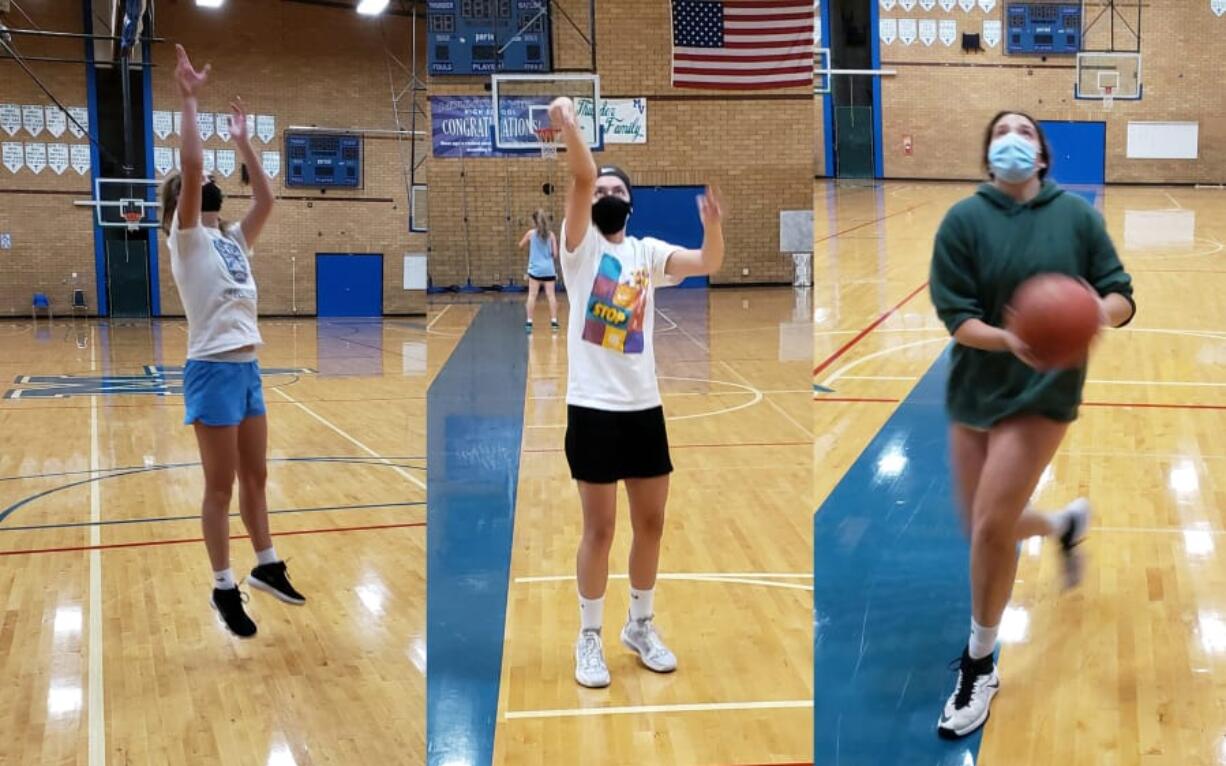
(210, 198)
(609, 213)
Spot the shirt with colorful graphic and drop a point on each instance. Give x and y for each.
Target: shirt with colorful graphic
(213, 275)
(612, 316)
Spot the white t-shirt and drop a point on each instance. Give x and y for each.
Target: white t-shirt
(611, 288)
(213, 274)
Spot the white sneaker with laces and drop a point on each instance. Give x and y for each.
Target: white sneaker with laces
(642, 638)
(590, 668)
(968, 707)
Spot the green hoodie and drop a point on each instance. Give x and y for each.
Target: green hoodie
(989, 244)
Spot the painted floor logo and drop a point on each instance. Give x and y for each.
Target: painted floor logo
(156, 381)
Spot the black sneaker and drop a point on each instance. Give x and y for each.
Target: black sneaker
(968, 707)
(273, 579)
(229, 604)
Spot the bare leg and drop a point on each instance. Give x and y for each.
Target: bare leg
(599, 503)
(648, 498)
(219, 456)
(252, 476)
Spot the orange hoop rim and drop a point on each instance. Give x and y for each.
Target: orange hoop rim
(546, 135)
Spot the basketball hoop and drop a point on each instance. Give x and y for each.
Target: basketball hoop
(1108, 98)
(548, 139)
(132, 213)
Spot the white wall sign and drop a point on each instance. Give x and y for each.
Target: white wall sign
(948, 5)
(14, 158)
(225, 162)
(178, 123)
(32, 119)
(966, 5)
(79, 156)
(888, 5)
(81, 115)
(57, 121)
(210, 160)
(906, 31)
(250, 126)
(36, 157)
(265, 127)
(1218, 6)
(1158, 140)
(223, 126)
(178, 159)
(928, 31)
(889, 31)
(57, 158)
(927, 4)
(907, 5)
(205, 121)
(6, 241)
(163, 124)
(987, 5)
(991, 32)
(415, 271)
(10, 118)
(948, 31)
(163, 159)
(624, 120)
(272, 163)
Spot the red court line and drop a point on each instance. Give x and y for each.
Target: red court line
(820, 398)
(148, 543)
(1159, 406)
(861, 335)
(867, 223)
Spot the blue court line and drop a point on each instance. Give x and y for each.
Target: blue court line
(475, 415)
(4, 514)
(891, 595)
(196, 516)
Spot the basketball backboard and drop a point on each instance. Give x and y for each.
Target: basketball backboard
(1108, 76)
(521, 108)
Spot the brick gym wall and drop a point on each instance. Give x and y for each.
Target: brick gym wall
(757, 147)
(50, 237)
(307, 66)
(943, 97)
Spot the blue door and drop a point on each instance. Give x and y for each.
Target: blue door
(669, 213)
(1079, 152)
(348, 285)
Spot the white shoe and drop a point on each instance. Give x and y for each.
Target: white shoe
(1077, 520)
(590, 668)
(642, 638)
(968, 707)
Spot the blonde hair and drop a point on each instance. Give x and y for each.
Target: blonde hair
(542, 223)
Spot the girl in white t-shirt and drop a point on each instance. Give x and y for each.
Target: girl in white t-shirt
(615, 422)
(222, 392)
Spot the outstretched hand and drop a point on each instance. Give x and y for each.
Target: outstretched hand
(189, 80)
(238, 121)
(710, 208)
(562, 113)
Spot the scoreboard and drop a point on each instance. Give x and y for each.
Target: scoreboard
(1045, 28)
(475, 37)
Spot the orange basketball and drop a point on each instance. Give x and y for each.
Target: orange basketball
(1057, 317)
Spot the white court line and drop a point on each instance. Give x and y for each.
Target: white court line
(757, 397)
(765, 579)
(97, 720)
(780, 410)
(1173, 200)
(883, 352)
(352, 440)
(669, 319)
(1097, 381)
(705, 707)
(438, 316)
(1157, 530)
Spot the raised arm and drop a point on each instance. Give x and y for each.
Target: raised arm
(553, 244)
(582, 173)
(191, 151)
(708, 260)
(261, 188)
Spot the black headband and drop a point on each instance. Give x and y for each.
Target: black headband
(616, 172)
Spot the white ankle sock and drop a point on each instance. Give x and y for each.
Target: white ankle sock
(224, 580)
(983, 640)
(640, 603)
(591, 612)
(266, 556)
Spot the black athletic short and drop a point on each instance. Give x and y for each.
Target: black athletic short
(603, 447)
(542, 279)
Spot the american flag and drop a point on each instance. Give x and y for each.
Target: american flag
(742, 44)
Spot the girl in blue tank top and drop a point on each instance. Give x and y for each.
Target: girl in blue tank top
(542, 251)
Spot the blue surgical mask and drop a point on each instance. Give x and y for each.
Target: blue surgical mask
(1012, 158)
